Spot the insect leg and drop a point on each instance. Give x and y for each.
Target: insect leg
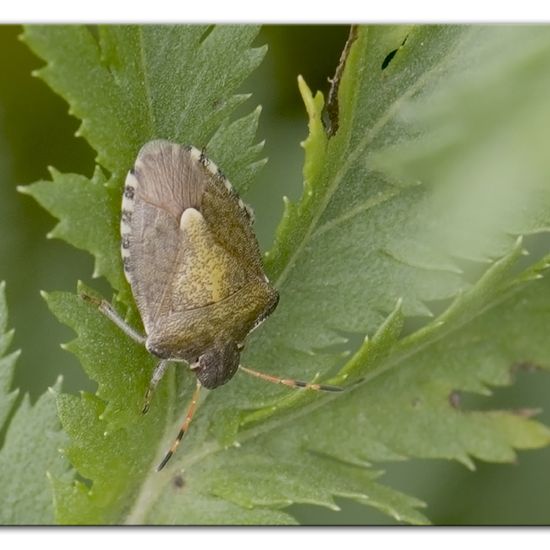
(158, 373)
(105, 307)
(184, 427)
(290, 382)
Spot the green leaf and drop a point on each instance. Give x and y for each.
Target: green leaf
(400, 274)
(366, 248)
(82, 205)
(30, 447)
(129, 84)
(7, 362)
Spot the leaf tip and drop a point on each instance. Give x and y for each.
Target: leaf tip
(54, 390)
(307, 96)
(467, 461)
(54, 172)
(519, 240)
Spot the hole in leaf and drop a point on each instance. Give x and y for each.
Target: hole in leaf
(84, 480)
(388, 59)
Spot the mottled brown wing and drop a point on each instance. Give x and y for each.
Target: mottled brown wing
(176, 261)
(230, 221)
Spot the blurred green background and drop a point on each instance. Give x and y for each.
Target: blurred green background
(36, 132)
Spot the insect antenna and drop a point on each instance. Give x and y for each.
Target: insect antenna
(184, 427)
(290, 381)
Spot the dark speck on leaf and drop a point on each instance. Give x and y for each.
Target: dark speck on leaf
(454, 399)
(178, 481)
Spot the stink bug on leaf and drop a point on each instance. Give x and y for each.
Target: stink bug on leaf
(194, 266)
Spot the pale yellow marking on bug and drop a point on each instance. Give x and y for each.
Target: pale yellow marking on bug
(212, 167)
(213, 273)
(195, 154)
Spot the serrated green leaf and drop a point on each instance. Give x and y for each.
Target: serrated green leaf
(30, 448)
(131, 83)
(82, 205)
(398, 406)
(371, 249)
(360, 238)
(7, 362)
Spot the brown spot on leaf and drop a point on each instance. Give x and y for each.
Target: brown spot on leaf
(178, 482)
(454, 399)
(416, 402)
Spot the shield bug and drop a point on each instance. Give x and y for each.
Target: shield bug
(195, 269)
